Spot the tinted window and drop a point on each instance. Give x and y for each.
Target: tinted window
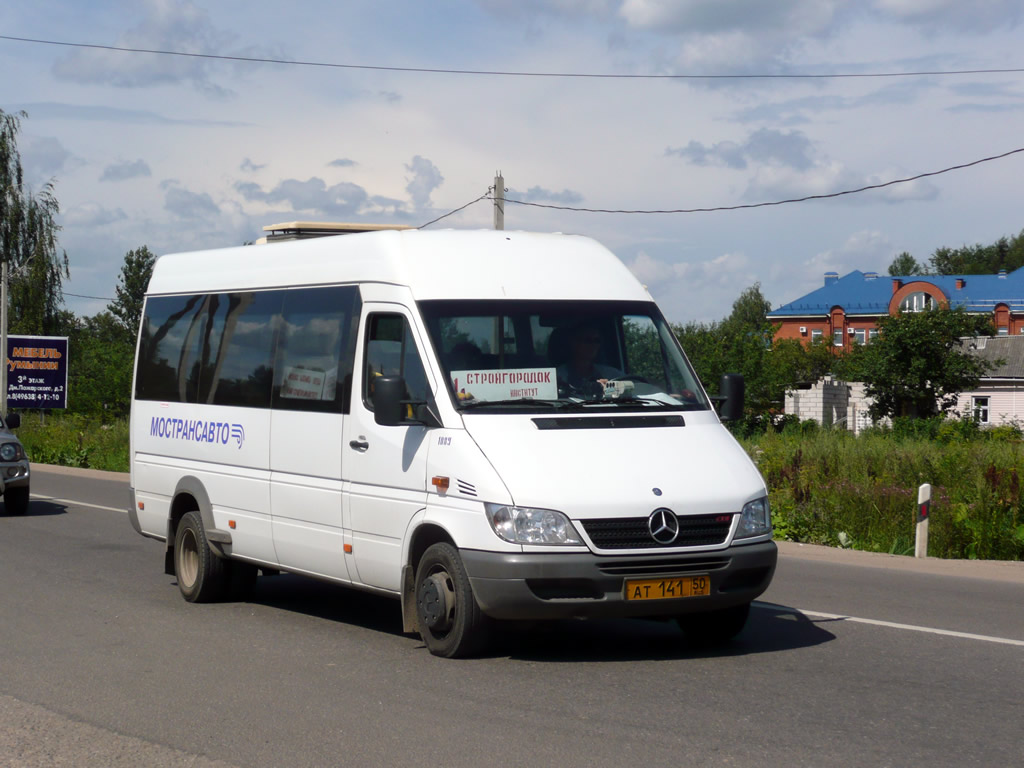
(316, 343)
(237, 348)
(391, 351)
(168, 349)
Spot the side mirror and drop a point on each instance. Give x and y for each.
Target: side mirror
(388, 392)
(13, 420)
(731, 391)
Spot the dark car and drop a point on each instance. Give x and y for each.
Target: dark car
(14, 471)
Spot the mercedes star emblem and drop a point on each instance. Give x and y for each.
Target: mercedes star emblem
(663, 525)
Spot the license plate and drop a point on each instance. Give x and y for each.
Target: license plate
(666, 589)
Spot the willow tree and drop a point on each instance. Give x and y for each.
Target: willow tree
(28, 241)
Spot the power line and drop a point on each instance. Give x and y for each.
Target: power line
(484, 196)
(80, 296)
(503, 73)
(776, 202)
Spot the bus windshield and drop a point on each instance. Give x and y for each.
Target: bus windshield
(543, 354)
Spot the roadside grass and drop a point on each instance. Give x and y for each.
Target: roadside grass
(831, 487)
(72, 440)
(825, 486)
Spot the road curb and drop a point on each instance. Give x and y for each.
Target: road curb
(995, 570)
(56, 469)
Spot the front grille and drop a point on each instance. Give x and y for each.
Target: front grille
(633, 533)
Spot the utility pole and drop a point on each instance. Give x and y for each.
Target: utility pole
(499, 201)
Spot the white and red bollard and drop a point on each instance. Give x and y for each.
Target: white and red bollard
(924, 506)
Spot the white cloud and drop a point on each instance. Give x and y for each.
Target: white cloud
(789, 17)
(45, 157)
(189, 205)
(542, 195)
(694, 289)
(312, 195)
(168, 25)
(532, 8)
(425, 179)
(128, 169)
(733, 36)
(957, 15)
(92, 215)
(788, 148)
(250, 167)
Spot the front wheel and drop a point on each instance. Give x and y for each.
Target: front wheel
(16, 500)
(707, 630)
(202, 576)
(450, 621)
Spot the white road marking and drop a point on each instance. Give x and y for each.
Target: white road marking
(894, 625)
(79, 503)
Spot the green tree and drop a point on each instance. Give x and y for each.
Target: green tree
(100, 367)
(131, 290)
(744, 343)
(792, 363)
(917, 366)
(28, 241)
(905, 264)
(1004, 253)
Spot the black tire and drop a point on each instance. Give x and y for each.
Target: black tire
(449, 619)
(202, 576)
(16, 500)
(714, 628)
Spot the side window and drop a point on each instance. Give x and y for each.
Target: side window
(316, 344)
(237, 345)
(168, 367)
(391, 351)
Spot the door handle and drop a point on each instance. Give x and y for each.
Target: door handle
(359, 445)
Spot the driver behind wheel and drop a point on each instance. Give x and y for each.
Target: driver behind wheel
(581, 370)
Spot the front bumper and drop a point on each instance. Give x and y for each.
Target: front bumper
(14, 474)
(551, 586)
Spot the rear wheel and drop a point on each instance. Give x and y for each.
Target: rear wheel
(202, 576)
(16, 500)
(707, 630)
(450, 621)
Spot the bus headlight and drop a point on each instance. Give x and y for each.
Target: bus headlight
(755, 520)
(525, 525)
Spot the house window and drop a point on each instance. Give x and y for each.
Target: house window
(979, 406)
(860, 336)
(837, 337)
(816, 335)
(872, 334)
(1003, 331)
(916, 302)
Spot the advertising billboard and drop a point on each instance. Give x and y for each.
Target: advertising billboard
(37, 372)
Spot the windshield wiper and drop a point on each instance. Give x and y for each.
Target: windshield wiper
(627, 401)
(514, 401)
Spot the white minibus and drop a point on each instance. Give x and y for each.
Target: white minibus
(484, 425)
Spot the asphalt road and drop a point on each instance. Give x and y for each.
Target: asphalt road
(849, 659)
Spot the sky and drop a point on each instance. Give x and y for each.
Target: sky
(181, 153)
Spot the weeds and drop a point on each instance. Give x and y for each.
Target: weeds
(72, 440)
(831, 487)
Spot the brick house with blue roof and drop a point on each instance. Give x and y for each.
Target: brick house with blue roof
(846, 309)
